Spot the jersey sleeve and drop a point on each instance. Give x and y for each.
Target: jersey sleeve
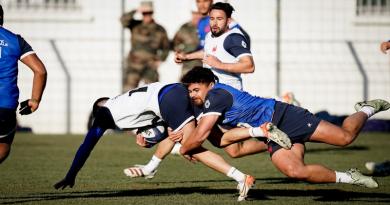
(176, 109)
(25, 48)
(237, 45)
(217, 102)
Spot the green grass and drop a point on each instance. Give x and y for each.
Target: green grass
(39, 161)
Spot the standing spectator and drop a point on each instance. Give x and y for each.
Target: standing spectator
(186, 40)
(13, 48)
(149, 46)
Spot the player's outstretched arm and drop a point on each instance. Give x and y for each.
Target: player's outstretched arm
(81, 157)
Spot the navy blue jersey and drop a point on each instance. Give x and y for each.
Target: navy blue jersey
(12, 48)
(236, 44)
(175, 106)
(237, 107)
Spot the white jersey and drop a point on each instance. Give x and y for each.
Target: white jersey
(136, 108)
(217, 47)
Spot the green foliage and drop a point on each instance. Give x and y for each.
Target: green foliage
(38, 161)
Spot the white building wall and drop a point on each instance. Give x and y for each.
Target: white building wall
(316, 63)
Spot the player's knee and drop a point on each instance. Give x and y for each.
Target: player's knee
(234, 154)
(296, 172)
(346, 139)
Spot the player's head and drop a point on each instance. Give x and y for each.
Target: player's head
(199, 81)
(101, 115)
(220, 17)
(204, 6)
(1, 15)
(98, 104)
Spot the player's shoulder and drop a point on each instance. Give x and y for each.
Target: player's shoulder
(219, 92)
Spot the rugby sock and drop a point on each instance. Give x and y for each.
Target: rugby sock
(370, 111)
(152, 165)
(342, 177)
(236, 175)
(256, 132)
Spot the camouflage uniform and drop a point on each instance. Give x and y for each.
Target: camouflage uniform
(149, 46)
(186, 40)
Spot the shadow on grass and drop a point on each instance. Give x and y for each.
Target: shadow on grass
(332, 149)
(319, 195)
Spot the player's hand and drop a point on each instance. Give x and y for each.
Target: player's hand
(212, 61)
(140, 140)
(190, 158)
(180, 57)
(28, 106)
(385, 46)
(64, 183)
(175, 136)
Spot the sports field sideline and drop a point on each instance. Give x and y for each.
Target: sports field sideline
(39, 161)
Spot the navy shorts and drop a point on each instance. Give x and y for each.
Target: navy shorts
(7, 125)
(298, 123)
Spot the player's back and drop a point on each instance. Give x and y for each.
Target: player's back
(9, 56)
(136, 108)
(246, 108)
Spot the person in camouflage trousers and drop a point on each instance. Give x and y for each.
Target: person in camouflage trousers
(186, 40)
(149, 47)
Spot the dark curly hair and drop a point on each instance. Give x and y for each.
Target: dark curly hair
(199, 75)
(226, 7)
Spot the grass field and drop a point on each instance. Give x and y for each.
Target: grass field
(38, 161)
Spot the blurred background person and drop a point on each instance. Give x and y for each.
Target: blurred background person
(149, 46)
(186, 39)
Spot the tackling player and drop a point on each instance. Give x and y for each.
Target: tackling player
(144, 107)
(227, 106)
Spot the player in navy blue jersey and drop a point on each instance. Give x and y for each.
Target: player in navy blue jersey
(12, 49)
(228, 107)
(143, 109)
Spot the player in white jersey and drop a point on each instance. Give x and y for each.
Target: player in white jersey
(226, 51)
(141, 108)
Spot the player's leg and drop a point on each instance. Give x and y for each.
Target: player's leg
(291, 163)
(347, 133)
(247, 147)
(7, 131)
(149, 170)
(239, 149)
(216, 162)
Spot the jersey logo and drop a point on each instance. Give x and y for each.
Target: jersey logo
(3, 43)
(243, 44)
(214, 49)
(207, 104)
